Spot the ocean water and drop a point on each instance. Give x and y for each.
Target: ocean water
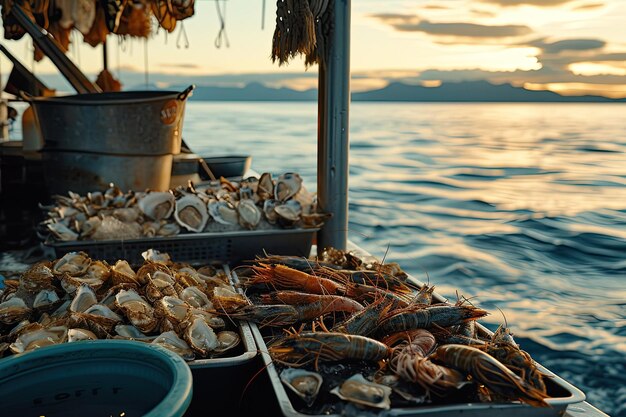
(521, 206)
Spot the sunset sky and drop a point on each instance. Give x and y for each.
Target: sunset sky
(568, 46)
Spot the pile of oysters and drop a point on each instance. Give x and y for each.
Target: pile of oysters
(77, 298)
(217, 206)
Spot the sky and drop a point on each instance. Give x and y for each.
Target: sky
(572, 47)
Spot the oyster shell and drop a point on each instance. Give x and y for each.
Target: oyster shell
(172, 308)
(287, 185)
(223, 212)
(72, 263)
(127, 214)
(265, 188)
(304, 384)
(62, 232)
(171, 341)
(77, 335)
(191, 213)
(288, 213)
(38, 277)
(159, 285)
(269, 210)
(84, 298)
(201, 337)
(154, 255)
(46, 300)
(122, 272)
(196, 298)
(169, 229)
(215, 322)
(138, 311)
(149, 269)
(39, 338)
(95, 276)
(127, 331)
(13, 310)
(157, 205)
(358, 390)
(226, 340)
(99, 318)
(249, 214)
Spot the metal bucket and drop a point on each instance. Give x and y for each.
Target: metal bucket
(84, 172)
(127, 122)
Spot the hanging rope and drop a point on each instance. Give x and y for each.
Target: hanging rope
(182, 34)
(301, 29)
(221, 35)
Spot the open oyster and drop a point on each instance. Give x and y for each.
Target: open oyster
(72, 263)
(223, 212)
(157, 205)
(138, 311)
(304, 384)
(191, 213)
(77, 335)
(249, 214)
(287, 185)
(171, 341)
(359, 390)
(39, 338)
(201, 337)
(13, 310)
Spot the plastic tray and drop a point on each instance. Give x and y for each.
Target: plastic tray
(567, 393)
(226, 247)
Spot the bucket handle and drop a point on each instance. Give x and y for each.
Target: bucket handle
(186, 93)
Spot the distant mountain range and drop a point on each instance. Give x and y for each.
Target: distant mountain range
(468, 91)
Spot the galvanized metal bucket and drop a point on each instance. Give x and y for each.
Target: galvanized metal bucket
(122, 123)
(85, 172)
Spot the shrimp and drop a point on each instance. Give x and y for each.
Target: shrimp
(409, 361)
(490, 372)
(366, 321)
(503, 348)
(265, 315)
(320, 304)
(301, 349)
(283, 277)
(425, 317)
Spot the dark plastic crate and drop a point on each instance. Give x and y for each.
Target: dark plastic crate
(198, 248)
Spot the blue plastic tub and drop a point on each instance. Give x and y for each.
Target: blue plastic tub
(97, 379)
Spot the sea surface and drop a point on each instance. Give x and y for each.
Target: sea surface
(520, 206)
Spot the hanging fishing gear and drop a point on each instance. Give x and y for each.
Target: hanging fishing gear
(302, 28)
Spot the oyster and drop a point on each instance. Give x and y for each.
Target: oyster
(84, 298)
(127, 214)
(215, 322)
(287, 185)
(191, 213)
(226, 299)
(39, 338)
(122, 272)
(154, 255)
(226, 340)
(38, 277)
(304, 384)
(138, 311)
(269, 209)
(171, 341)
(196, 298)
(265, 188)
(159, 285)
(149, 269)
(172, 308)
(157, 205)
(223, 212)
(13, 310)
(169, 229)
(89, 227)
(127, 331)
(358, 390)
(97, 274)
(62, 232)
(46, 300)
(249, 214)
(201, 337)
(77, 335)
(99, 318)
(72, 263)
(288, 213)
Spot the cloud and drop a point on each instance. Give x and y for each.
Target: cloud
(568, 45)
(412, 23)
(435, 7)
(589, 6)
(539, 3)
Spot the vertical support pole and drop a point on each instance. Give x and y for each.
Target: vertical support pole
(105, 56)
(332, 131)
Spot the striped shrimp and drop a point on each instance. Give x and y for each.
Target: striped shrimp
(426, 317)
(365, 322)
(283, 277)
(321, 304)
(490, 372)
(409, 361)
(303, 348)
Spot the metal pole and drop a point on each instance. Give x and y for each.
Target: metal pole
(332, 131)
(105, 56)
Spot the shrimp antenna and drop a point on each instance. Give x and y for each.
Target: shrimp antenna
(506, 324)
